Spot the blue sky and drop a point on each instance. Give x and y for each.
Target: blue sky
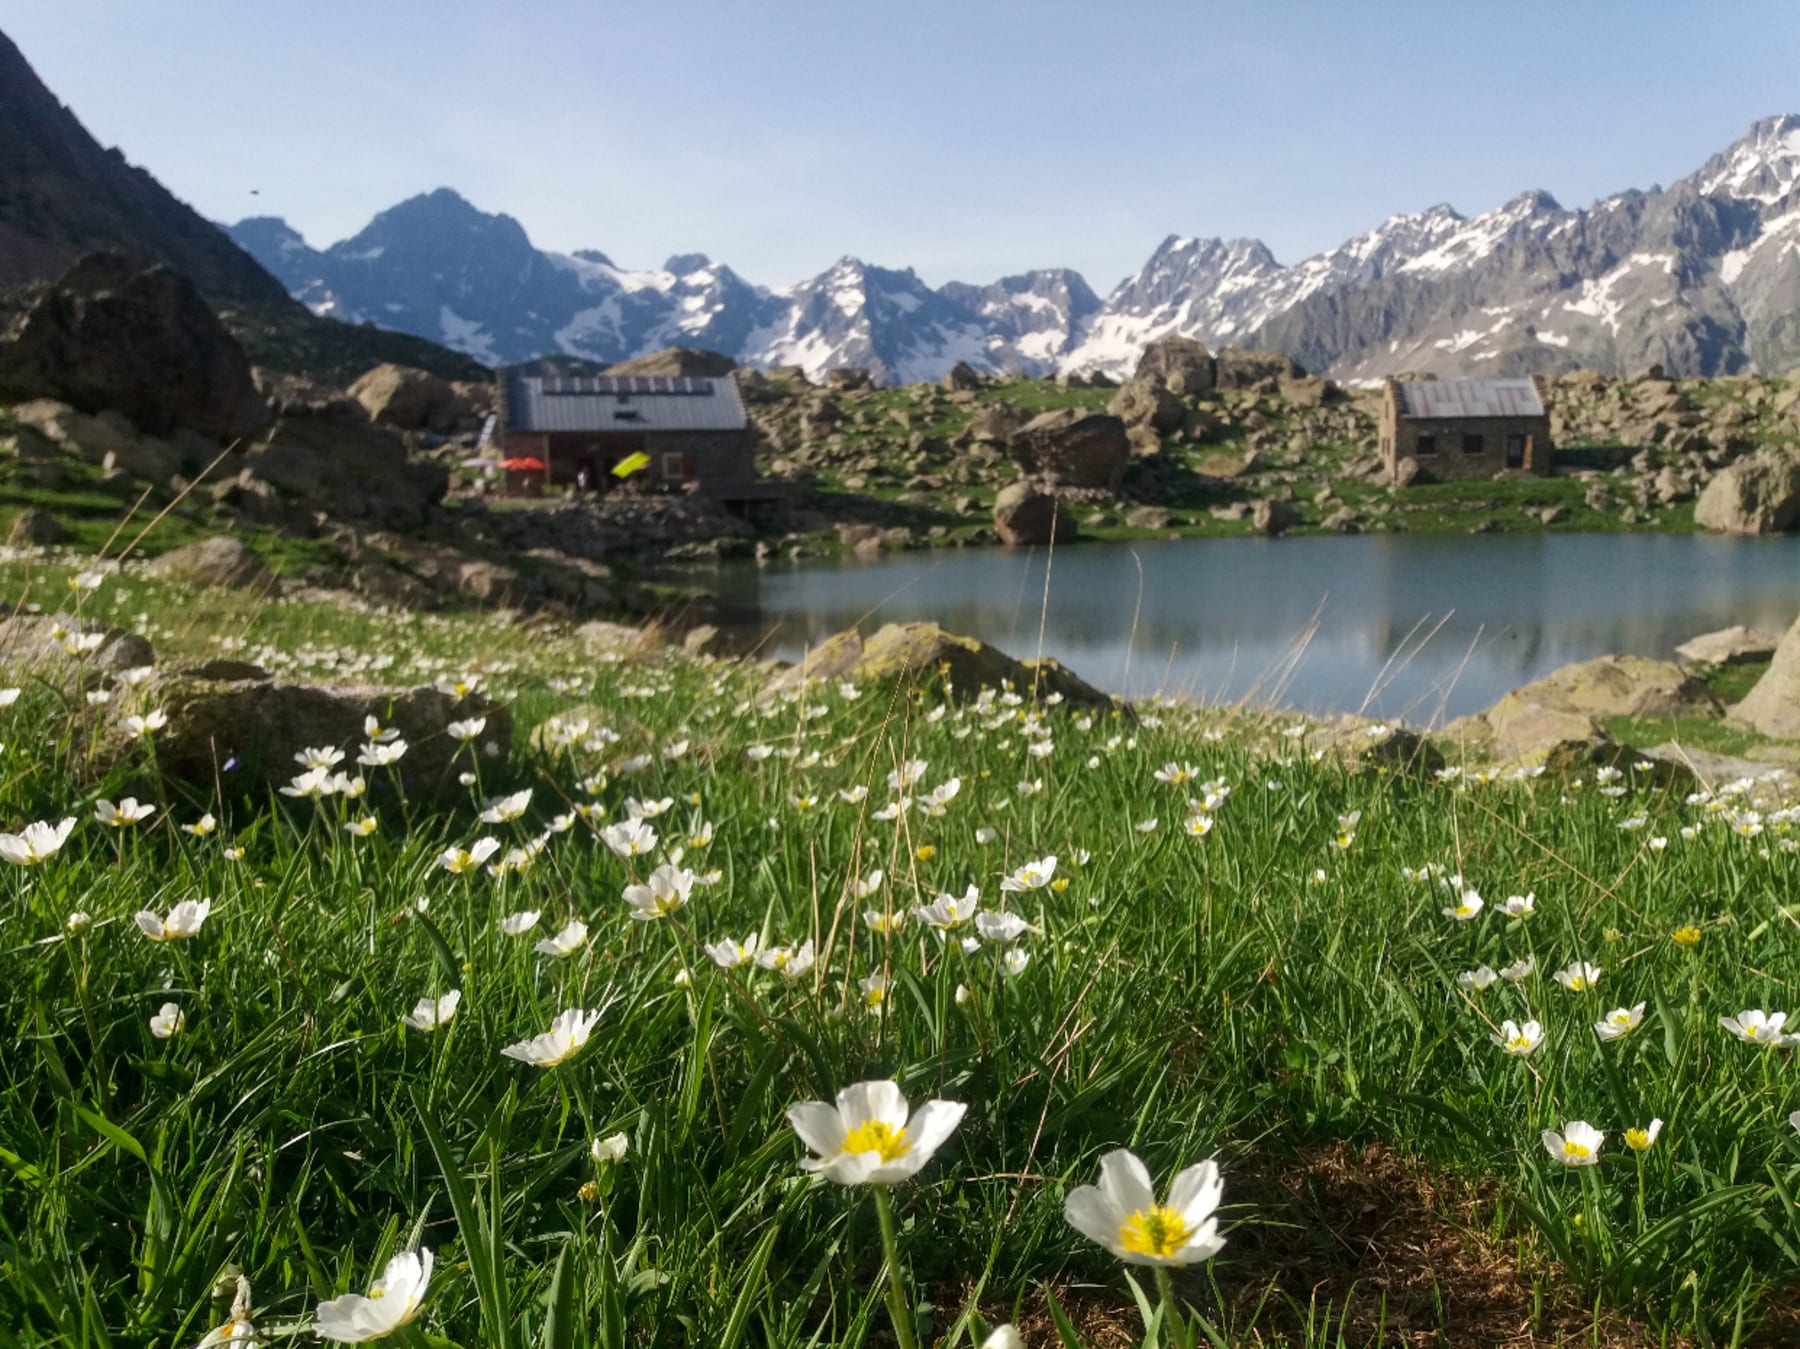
(967, 140)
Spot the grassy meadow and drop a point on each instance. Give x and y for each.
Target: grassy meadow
(1245, 950)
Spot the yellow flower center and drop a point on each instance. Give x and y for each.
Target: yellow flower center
(1573, 1150)
(1577, 983)
(1752, 1031)
(1519, 1042)
(1638, 1140)
(878, 1136)
(1621, 1018)
(1159, 1232)
(1687, 936)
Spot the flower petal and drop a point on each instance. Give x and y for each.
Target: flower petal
(820, 1126)
(1090, 1212)
(864, 1101)
(1126, 1181)
(1196, 1193)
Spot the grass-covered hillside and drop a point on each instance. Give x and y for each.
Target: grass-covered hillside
(1194, 935)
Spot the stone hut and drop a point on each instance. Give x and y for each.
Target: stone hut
(1466, 428)
(692, 428)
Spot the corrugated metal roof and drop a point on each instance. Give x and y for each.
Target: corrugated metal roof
(1452, 398)
(622, 403)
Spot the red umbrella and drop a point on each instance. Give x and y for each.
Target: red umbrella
(525, 465)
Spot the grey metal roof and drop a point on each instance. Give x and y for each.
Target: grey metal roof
(622, 403)
(1452, 398)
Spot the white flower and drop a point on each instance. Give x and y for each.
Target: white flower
(1577, 1145)
(38, 842)
(1146, 826)
(502, 809)
(381, 753)
(1015, 959)
(201, 827)
(136, 728)
(884, 924)
(1476, 980)
(666, 890)
(1032, 876)
(461, 861)
(430, 1013)
(907, 774)
(728, 954)
(999, 927)
(319, 756)
(566, 942)
(1619, 1022)
(1520, 906)
(1121, 1213)
(466, 730)
(518, 924)
(791, 962)
(947, 911)
(169, 1021)
(127, 812)
(629, 838)
(1519, 1041)
(1756, 1027)
(393, 1301)
(1519, 969)
(606, 1151)
(1578, 976)
(183, 922)
(1468, 904)
(1198, 825)
(868, 1137)
(985, 835)
(78, 921)
(567, 1034)
(867, 885)
(1642, 1140)
(9, 696)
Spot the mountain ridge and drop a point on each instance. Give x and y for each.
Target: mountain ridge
(1702, 277)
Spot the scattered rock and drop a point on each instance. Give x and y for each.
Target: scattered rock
(1177, 361)
(1757, 495)
(217, 561)
(406, 399)
(1728, 646)
(1073, 447)
(1772, 707)
(1242, 369)
(1149, 517)
(924, 651)
(1274, 517)
(962, 377)
(35, 529)
(688, 361)
(1145, 402)
(1026, 514)
(339, 462)
(243, 734)
(848, 378)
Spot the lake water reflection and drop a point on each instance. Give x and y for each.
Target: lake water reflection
(1419, 628)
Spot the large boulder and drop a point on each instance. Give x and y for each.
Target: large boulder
(1736, 645)
(924, 651)
(1772, 707)
(334, 460)
(406, 399)
(1146, 402)
(1177, 363)
(1026, 514)
(1244, 369)
(963, 378)
(1273, 516)
(1072, 447)
(234, 727)
(217, 561)
(111, 441)
(1573, 704)
(142, 341)
(1756, 495)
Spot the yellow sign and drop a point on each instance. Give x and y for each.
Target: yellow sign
(632, 463)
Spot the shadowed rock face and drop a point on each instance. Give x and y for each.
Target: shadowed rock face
(1773, 706)
(141, 341)
(1569, 705)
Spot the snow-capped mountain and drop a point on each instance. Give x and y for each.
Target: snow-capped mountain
(1703, 277)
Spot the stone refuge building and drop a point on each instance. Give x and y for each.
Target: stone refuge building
(693, 429)
(1466, 428)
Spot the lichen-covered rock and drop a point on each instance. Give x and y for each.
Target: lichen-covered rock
(1735, 645)
(1178, 363)
(1571, 704)
(925, 653)
(1148, 403)
(1772, 707)
(406, 399)
(241, 734)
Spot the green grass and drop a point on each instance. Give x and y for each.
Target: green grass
(1261, 995)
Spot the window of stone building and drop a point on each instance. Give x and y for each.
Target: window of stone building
(1515, 451)
(1425, 445)
(1473, 445)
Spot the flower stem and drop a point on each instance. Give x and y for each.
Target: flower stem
(896, 1295)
